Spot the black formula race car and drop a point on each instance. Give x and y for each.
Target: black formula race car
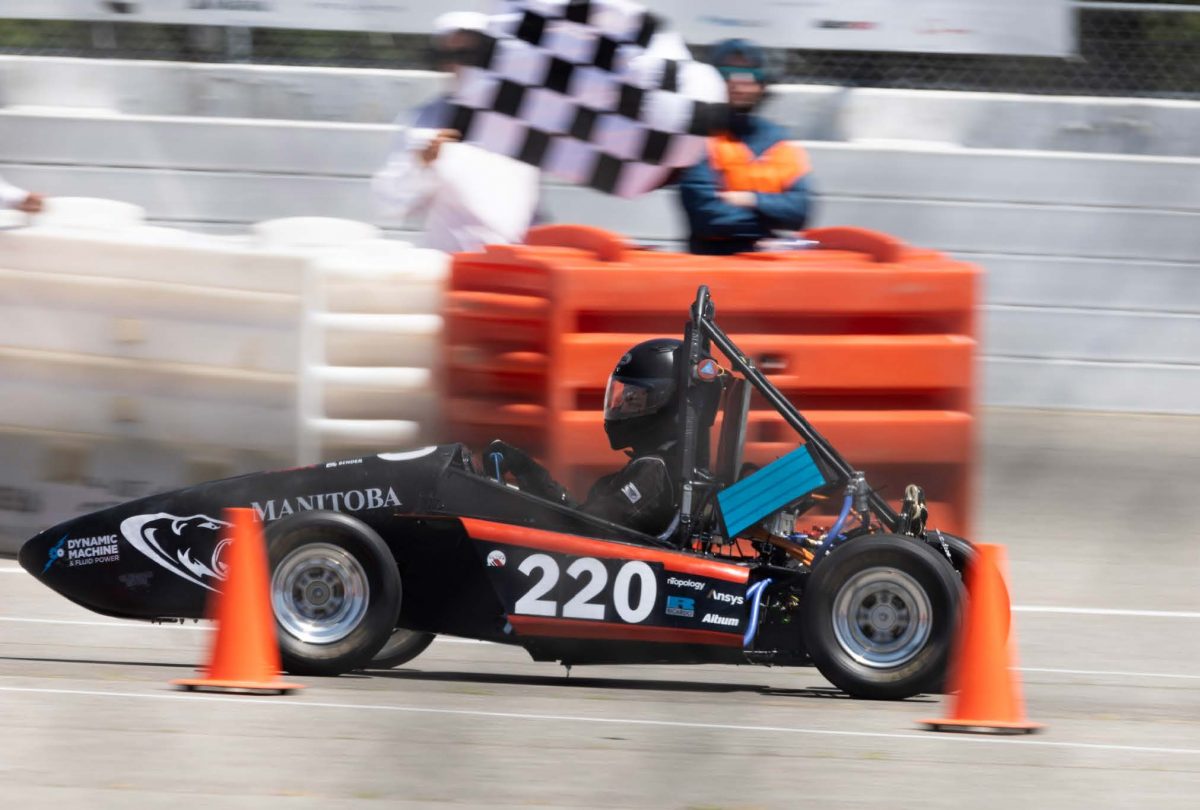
(371, 557)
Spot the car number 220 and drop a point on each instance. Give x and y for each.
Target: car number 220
(591, 594)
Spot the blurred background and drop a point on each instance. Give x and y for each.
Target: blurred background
(240, 302)
(210, 288)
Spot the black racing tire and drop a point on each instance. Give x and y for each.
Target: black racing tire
(402, 647)
(335, 592)
(961, 550)
(879, 616)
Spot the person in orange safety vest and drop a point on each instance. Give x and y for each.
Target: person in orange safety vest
(753, 181)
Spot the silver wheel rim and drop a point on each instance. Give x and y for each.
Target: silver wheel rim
(319, 593)
(882, 618)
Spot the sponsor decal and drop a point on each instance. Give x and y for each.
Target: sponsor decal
(168, 541)
(695, 585)
(80, 551)
(727, 598)
(708, 370)
(733, 22)
(354, 500)
(345, 463)
(847, 25)
(681, 606)
(935, 30)
(136, 580)
(496, 559)
(229, 5)
(57, 552)
(724, 621)
(631, 492)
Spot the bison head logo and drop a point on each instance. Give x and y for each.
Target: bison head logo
(189, 547)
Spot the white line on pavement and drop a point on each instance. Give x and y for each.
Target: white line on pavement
(141, 625)
(129, 625)
(1109, 672)
(626, 721)
(1080, 611)
(136, 625)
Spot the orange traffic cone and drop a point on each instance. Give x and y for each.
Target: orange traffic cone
(245, 652)
(988, 697)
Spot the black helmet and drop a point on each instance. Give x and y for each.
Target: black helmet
(642, 400)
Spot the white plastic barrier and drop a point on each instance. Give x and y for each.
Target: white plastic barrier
(118, 335)
(312, 233)
(90, 214)
(108, 329)
(371, 338)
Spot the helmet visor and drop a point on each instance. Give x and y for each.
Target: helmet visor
(628, 398)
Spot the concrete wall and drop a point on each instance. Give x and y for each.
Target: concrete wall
(224, 91)
(977, 120)
(1092, 296)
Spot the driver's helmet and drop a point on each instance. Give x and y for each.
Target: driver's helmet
(641, 402)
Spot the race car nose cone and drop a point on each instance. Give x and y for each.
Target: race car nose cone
(40, 554)
(76, 561)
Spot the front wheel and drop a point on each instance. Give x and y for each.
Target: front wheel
(879, 617)
(335, 592)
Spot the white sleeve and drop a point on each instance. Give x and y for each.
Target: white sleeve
(404, 186)
(10, 195)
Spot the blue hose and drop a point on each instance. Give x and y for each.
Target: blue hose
(496, 458)
(752, 594)
(832, 536)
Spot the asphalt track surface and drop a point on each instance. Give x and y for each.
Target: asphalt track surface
(1097, 513)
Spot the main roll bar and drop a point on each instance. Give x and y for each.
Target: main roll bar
(702, 330)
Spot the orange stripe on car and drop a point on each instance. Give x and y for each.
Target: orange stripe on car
(679, 562)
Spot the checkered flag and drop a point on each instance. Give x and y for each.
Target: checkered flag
(593, 92)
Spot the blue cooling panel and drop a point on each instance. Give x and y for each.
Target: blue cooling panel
(773, 487)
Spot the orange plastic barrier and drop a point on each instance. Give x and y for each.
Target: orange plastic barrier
(872, 339)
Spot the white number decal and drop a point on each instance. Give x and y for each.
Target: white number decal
(532, 603)
(645, 604)
(580, 606)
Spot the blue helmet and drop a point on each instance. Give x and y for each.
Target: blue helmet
(752, 57)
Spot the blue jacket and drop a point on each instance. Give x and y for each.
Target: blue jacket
(718, 228)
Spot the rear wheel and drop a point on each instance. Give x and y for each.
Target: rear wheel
(335, 592)
(402, 647)
(879, 616)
